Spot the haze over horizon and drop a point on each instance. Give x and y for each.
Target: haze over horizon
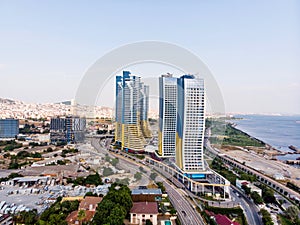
(252, 48)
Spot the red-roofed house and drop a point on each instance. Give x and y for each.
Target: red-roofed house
(141, 211)
(224, 220)
(89, 203)
(72, 218)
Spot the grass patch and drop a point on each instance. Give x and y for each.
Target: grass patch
(284, 220)
(233, 136)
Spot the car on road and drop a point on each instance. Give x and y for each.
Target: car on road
(183, 212)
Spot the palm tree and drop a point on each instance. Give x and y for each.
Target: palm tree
(81, 215)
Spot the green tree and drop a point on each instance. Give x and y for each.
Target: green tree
(36, 155)
(245, 176)
(173, 211)
(23, 154)
(246, 189)
(57, 212)
(107, 158)
(137, 176)
(142, 169)
(93, 179)
(114, 161)
(117, 216)
(81, 215)
(266, 217)
(124, 181)
(114, 206)
(14, 175)
(57, 219)
(153, 176)
(161, 186)
(268, 195)
(148, 222)
(26, 218)
(107, 171)
(292, 212)
(90, 194)
(256, 198)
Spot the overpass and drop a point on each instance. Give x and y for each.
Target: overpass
(280, 188)
(215, 183)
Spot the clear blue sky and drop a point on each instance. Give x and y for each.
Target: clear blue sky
(252, 47)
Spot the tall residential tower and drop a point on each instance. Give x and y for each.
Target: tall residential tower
(190, 125)
(167, 115)
(68, 129)
(144, 108)
(131, 111)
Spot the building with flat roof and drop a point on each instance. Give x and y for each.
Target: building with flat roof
(143, 195)
(9, 128)
(190, 125)
(167, 115)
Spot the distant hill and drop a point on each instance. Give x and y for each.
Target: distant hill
(7, 101)
(64, 102)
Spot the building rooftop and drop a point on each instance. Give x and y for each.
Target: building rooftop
(30, 179)
(224, 220)
(144, 208)
(150, 191)
(72, 217)
(90, 203)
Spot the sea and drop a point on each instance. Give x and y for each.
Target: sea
(277, 131)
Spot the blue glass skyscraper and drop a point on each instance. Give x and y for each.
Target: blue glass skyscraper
(131, 112)
(9, 128)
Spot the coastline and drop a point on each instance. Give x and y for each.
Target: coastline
(279, 132)
(280, 155)
(263, 159)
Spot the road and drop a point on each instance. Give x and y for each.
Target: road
(289, 192)
(186, 213)
(250, 209)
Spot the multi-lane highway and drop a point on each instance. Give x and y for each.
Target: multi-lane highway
(186, 212)
(250, 209)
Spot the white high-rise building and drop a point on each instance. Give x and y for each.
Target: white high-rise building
(190, 125)
(167, 115)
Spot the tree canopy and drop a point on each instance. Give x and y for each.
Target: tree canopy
(114, 207)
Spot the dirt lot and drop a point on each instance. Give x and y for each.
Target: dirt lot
(267, 166)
